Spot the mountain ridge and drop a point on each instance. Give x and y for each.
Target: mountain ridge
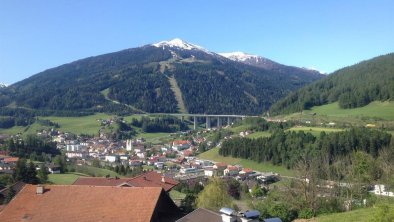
(140, 78)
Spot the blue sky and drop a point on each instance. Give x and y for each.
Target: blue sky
(326, 35)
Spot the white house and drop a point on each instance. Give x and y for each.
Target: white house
(179, 145)
(74, 147)
(111, 158)
(81, 155)
(231, 171)
(209, 172)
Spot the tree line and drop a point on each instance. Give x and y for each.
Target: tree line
(286, 148)
(164, 124)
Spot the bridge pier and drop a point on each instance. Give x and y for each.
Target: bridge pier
(219, 123)
(208, 122)
(195, 122)
(228, 121)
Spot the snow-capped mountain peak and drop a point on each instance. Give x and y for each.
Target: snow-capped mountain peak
(3, 85)
(179, 43)
(239, 56)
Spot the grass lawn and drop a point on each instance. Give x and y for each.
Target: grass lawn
(213, 155)
(259, 134)
(176, 195)
(155, 138)
(384, 110)
(64, 178)
(240, 128)
(358, 215)
(94, 171)
(315, 130)
(79, 125)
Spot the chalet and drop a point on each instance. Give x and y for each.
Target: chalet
(148, 179)
(90, 203)
(231, 171)
(246, 171)
(179, 145)
(10, 160)
(220, 166)
(209, 171)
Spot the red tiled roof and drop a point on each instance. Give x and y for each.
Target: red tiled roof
(221, 164)
(83, 203)
(232, 167)
(100, 181)
(247, 170)
(153, 179)
(11, 159)
(148, 179)
(180, 142)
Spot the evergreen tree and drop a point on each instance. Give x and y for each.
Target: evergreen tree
(43, 174)
(31, 176)
(20, 173)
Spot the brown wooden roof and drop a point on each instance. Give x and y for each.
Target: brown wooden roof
(86, 203)
(148, 179)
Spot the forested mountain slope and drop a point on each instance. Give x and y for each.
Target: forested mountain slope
(353, 86)
(155, 79)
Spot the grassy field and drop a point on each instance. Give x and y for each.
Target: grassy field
(155, 138)
(240, 128)
(358, 215)
(176, 195)
(383, 110)
(380, 114)
(64, 178)
(213, 154)
(259, 134)
(315, 130)
(94, 171)
(78, 125)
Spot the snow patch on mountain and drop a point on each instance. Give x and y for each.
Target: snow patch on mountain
(240, 56)
(314, 69)
(179, 43)
(3, 85)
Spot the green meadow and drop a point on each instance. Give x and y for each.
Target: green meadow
(213, 155)
(380, 110)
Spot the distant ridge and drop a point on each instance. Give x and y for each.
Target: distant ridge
(165, 77)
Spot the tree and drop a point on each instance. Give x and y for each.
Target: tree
(96, 162)
(214, 196)
(43, 174)
(60, 161)
(5, 180)
(20, 172)
(187, 204)
(122, 170)
(11, 193)
(31, 176)
(233, 188)
(257, 191)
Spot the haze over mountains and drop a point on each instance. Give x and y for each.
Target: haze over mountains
(166, 77)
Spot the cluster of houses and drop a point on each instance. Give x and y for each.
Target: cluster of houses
(7, 164)
(139, 199)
